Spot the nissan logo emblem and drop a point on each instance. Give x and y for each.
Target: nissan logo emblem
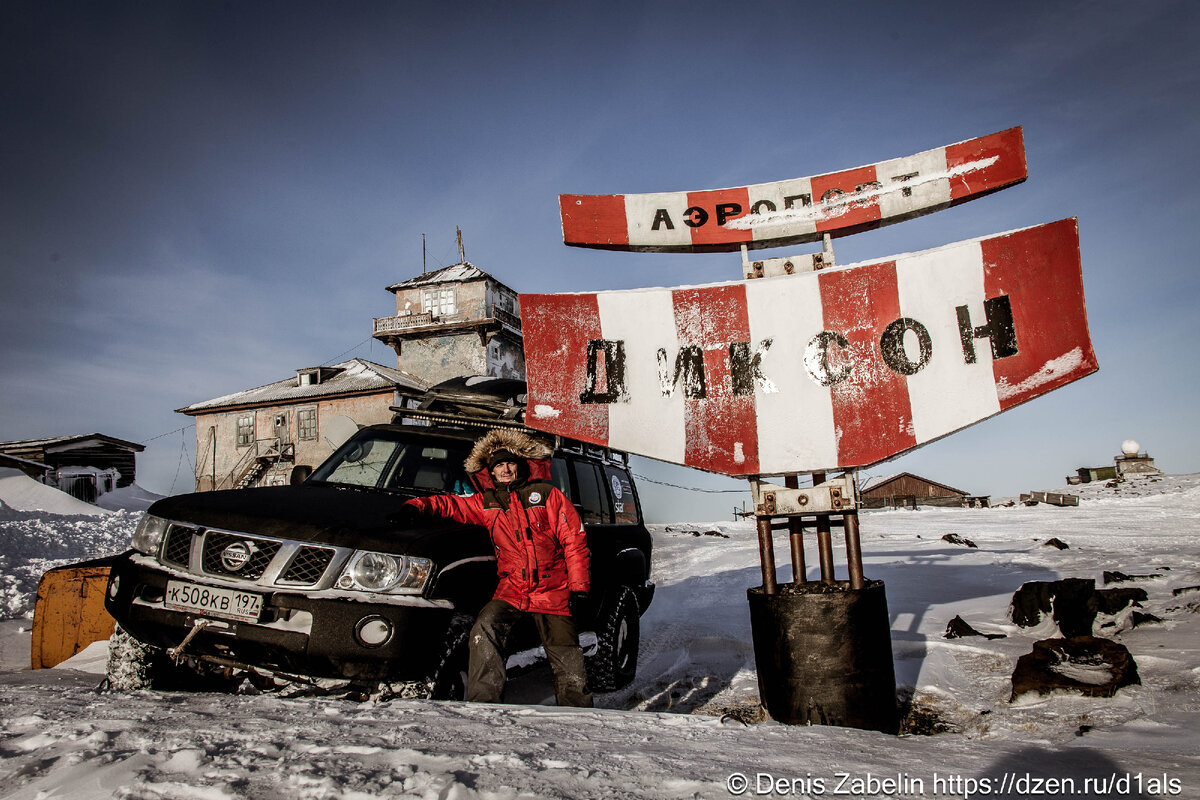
(236, 556)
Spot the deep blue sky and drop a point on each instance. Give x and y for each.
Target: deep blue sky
(199, 198)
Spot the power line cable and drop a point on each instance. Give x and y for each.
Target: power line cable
(348, 352)
(168, 433)
(691, 488)
(179, 465)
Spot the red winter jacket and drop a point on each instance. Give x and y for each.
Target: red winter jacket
(541, 547)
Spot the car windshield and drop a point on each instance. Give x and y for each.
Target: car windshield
(385, 462)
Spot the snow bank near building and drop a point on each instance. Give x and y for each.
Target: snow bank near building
(21, 492)
(128, 498)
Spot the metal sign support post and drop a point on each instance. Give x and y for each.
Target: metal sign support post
(823, 648)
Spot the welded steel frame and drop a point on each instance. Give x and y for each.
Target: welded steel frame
(827, 504)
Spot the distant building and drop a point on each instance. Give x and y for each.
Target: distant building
(268, 435)
(84, 466)
(456, 321)
(1130, 462)
(907, 490)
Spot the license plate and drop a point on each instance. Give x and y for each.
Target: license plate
(213, 601)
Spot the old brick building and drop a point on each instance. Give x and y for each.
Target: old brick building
(259, 436)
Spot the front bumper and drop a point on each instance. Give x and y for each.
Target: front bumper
(309, 634)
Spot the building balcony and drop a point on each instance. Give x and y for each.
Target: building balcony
(417, 326)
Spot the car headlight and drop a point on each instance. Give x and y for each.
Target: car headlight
(149, 534)
(369, 571)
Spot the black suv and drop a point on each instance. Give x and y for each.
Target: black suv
(333, 578)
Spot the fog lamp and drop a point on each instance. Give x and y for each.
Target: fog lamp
(373, 631)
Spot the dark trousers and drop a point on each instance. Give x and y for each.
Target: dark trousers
(489, 636)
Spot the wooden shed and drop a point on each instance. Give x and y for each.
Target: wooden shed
(80, 464)
(909, 490)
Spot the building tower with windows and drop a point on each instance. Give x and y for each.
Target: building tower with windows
(456, 321)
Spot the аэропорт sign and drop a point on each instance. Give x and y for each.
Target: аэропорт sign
(798, 210)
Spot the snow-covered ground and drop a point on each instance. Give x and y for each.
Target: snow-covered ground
(686, 727)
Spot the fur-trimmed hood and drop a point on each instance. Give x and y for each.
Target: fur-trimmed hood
(518, 442)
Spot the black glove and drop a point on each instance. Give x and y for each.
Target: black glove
(577, 603)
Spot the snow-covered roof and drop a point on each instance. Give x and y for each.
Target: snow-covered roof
(455, 273)
(58, 441)
(13, 461)
(351, 377)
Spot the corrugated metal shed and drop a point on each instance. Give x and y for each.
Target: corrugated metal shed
(356, 376)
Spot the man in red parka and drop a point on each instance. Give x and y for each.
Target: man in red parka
(541, 560)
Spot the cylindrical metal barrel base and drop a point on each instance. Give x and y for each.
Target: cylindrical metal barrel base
(824, 655)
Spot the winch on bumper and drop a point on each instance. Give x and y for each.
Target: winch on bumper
(321, 634)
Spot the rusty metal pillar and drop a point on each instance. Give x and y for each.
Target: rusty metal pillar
(796, 537)
(766, 553)
(824, 539)
(853, 551)
(822, 649)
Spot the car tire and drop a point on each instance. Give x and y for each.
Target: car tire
(618, 630)
(449, 678)
(132, 665)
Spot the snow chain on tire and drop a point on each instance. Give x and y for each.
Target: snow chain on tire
(617, 632)
(452, 666)
(131, 664)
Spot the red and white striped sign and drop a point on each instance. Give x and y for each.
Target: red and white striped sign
(833, 369)
(799, 210)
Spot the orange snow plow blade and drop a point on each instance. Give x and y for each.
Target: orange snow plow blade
(69, 614)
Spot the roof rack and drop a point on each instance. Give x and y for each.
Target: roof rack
(462, 420)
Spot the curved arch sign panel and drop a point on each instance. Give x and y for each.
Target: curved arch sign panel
(798, 210)
(839, 368)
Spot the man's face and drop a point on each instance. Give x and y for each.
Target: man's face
(505, 472)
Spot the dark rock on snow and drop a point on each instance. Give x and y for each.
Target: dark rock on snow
(954, 538)
(1121, 577)
(1086, 665)
(1110, 601)
(1073, 602)
(1056, 542)
(958, 628)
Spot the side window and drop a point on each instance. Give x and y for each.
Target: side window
(592, 496)
(306, 422)
(245, 430)
(559, 475)
(624, 500)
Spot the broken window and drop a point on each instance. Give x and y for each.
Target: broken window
(439, 302)
(245, 430)
(306, 422)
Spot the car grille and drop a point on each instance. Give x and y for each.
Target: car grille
(178, 547)
(261, 553)
(277, 562)
(308, 566)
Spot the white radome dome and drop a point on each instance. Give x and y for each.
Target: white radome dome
(1130, 447)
